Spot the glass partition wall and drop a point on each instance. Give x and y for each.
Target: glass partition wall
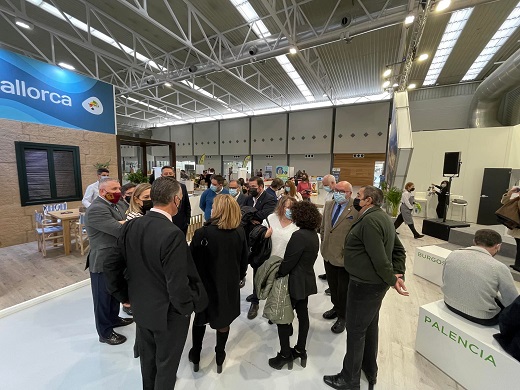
(141, 154)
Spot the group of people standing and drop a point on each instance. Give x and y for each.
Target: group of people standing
(141, 259)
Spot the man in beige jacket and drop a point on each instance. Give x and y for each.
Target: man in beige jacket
(338, 217)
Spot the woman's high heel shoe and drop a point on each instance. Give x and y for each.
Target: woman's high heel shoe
(279, 361)
(302, 355)
(194, 357)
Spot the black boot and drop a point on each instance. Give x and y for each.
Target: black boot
(279, 361)
(302, 355)
(416, 234)
(220, 349)
(197, 335)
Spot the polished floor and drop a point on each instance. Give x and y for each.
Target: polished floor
(53, 344)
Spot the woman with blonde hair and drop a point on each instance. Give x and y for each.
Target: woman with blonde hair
(290, 190)
(220, 252)
(140, 202)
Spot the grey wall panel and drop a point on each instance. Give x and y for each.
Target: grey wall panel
(310, 131)
(212, 161)
(440, 114)
(265, 128)
(234, 136)
(183, 137)
(161, 133)
(205, 137)
(317, 166)
(361, 128)
(260, 161)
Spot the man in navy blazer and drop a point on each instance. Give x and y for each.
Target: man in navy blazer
(265, 205)
(155, 272)
(182, 218)
(103, 222)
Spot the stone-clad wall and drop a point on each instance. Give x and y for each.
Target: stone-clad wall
(17, 222)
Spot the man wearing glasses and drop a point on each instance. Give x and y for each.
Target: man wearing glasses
(338, 217)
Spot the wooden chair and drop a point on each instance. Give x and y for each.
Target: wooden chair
(47, 230)
(46, 208)
(80, 234)
(195, 223)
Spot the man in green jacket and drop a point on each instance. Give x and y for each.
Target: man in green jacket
(375, 260)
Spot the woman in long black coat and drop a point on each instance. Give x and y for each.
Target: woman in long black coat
(220, 252)
(298, 262)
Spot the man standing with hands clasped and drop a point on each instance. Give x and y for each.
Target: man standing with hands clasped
(375, 260)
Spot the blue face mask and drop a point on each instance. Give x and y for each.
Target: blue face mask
(288, 214)
(339, 197)
(327, 188)
(287, 189)
(213, 188)
(233, 192)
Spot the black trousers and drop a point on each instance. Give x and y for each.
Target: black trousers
(485, 322)
(338, 279)
(106, 307)
(254, 298)
(285, 331)
(363, 304)
(517, 258)
(441, 206)
(160, 352)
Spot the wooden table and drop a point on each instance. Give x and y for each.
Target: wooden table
(66, 217)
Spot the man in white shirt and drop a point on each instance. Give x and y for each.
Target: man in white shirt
(475, 285)
(92, 191)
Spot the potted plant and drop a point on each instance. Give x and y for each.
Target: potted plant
(99, 165)
(137, 177)
(392, 198)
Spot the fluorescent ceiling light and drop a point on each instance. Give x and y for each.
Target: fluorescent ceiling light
(442, 5)
(96, 33)
(206, 93)
(409, 20)
(423, 57)
(497, 41)
(24, 24)
(368, 98)
(395, 85)
(451, 34)
(66, 66)
(260, 29)
(167, 85)
(151, 106)
(387, 72)
(386, 84)
(412, 86)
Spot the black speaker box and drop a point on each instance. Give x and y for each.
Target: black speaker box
(451, 164)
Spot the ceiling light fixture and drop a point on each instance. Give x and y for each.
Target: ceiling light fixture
(167, 84)
(497, 41)
(66, 66)
(387, 72)
(451, 34)
(293, 50)
(295, 76)
(395, 85)
(24, 24)
(386, 84)
(423, 57)
(151, 106)
(409, 20)
(442, 5)
(412, 86)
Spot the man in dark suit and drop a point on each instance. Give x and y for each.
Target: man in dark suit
(155, 272)
(182, 218)
(265, 205)
(235, 190)
(103, 221)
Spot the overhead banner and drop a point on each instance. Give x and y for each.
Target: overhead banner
(33, 91)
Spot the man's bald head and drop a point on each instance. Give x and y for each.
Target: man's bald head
(344, 186)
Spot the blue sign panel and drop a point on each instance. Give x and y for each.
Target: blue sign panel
(33, 91)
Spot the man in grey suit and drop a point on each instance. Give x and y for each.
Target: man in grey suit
(338, 217)
(235, 190)
(103, 221)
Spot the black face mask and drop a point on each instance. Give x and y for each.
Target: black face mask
(147, 205)
(356, 204)
(253, 192)
(412, 189)
(128, 198)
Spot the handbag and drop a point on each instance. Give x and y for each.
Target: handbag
(260, 246)
(508, 215)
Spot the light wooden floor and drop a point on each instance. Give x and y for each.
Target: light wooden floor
(24, 274)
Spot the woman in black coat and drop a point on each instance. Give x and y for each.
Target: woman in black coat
(442, 192)
(220, 252)
(298, 263)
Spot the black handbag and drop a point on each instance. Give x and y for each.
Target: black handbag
(260, 246)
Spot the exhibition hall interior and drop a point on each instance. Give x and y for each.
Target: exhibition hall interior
(384, 134)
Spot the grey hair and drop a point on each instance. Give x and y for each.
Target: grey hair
(375, 193)
(164, 189)
(103, 182)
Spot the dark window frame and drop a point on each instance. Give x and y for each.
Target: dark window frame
(25, 200)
